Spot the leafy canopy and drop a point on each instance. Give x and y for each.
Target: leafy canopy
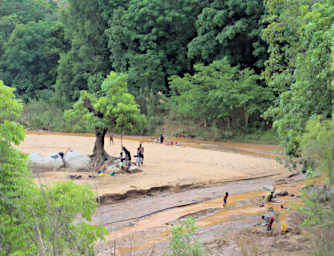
(148, 39)
(219, 93)
(317, 144)
(301, 72)
(116, 107)
(230, 29)
(31, 56)
(88, 56)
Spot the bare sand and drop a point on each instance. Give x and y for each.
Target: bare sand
(163, 165)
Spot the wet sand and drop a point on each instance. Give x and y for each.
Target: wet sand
(141, 233)
(163, 165)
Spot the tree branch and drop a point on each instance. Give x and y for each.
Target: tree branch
(90, 108)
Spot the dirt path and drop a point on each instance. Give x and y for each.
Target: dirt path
(164, 165)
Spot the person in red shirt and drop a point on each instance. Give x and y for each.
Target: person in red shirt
(270, 224)
(225, 199)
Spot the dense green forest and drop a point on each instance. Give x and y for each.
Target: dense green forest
(227, 68)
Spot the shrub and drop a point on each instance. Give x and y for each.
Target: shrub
(182, 242)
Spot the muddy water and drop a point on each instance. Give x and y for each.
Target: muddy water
(239, 206)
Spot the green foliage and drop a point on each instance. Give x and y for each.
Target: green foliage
(10, 134)
(230, 29)
(182, 243)
(219, 94)
(12, 166)
(317, 144)
(31, 56)
(53, 211)
(88, 56)
(282, 36)
(45, 222)
(38, 221)
(116, 105)
(148, 40)
(14, 12)
(47, 115)
(318, 222)
(258, 136)
(300, 70)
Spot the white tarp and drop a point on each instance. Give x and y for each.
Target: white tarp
(51, 161)
(76, 161)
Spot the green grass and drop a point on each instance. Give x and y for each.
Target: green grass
(258, 137)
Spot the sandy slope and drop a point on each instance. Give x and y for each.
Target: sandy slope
(163, 165)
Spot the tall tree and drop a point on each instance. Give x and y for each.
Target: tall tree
(31, 56)
(88, 56)
(231, 29)
(13, 12)
(220, 94)
(149, 40)
(303, 67)
(112, 108)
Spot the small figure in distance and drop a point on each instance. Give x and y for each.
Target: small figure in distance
(266, 220)
(161, 139)
(270, 224)
(111, 137)
(141, 154)
(270, 196)
(225, 199)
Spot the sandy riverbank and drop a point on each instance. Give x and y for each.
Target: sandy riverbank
(164, 165)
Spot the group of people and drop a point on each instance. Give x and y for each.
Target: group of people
(162, 140)
(268, 220)
(126, 160)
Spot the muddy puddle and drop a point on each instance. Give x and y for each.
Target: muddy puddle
(243, 210)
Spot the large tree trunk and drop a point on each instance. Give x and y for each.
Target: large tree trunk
(99, 154)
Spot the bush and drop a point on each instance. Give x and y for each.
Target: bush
(319, 223)
(182, 243)
(47, 115)
(318, 208)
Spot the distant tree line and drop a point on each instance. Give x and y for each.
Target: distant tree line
(234, 65)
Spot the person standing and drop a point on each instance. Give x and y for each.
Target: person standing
(111, 137)
(161, 138)
(138, 157)
(225, 199)
(140, 154)
(270, 224)
(127, 157)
